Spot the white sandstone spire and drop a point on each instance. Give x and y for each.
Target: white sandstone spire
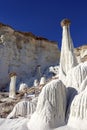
(12, 87)
(67, 58)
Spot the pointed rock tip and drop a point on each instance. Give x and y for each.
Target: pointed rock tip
(65, 22)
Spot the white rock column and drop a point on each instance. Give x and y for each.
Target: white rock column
(67, 59)
(43, 81)
(23, 87)
(36, 83)
(12, 87)
(39, 71)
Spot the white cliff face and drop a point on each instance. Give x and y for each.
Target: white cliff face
(81, 53)
(22, 53)
(67, 59)
(51, 107)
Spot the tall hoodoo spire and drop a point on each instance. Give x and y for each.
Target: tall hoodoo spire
(12, 87)
(68, 59)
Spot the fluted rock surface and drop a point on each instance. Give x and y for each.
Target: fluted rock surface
(22, 53)
(78, 110)
(51, 107)
(76, 76)
(24, 109)
(76, 80)
(68, 59)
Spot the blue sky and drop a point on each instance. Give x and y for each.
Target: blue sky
(43, 17)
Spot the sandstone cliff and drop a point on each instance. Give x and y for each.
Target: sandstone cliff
(81, 53)
(22, 52)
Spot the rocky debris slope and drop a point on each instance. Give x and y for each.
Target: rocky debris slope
(7, 104)
(24, 53)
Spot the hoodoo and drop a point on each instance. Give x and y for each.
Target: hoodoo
(36, 83)
(12, 91)
(67, 59)
(43, 81)
(23, 87)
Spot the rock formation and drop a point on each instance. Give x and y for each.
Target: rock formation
(67, 59)
(23, 87)
(81, 53)
(75, 79)
(61, 100)
(78, 109)
(24, 109)
(76, 76)
(12, 87)
(54, 69)
(22, 52)
(83, 85)
(43, 80)
(51, 107)
(36, 83)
